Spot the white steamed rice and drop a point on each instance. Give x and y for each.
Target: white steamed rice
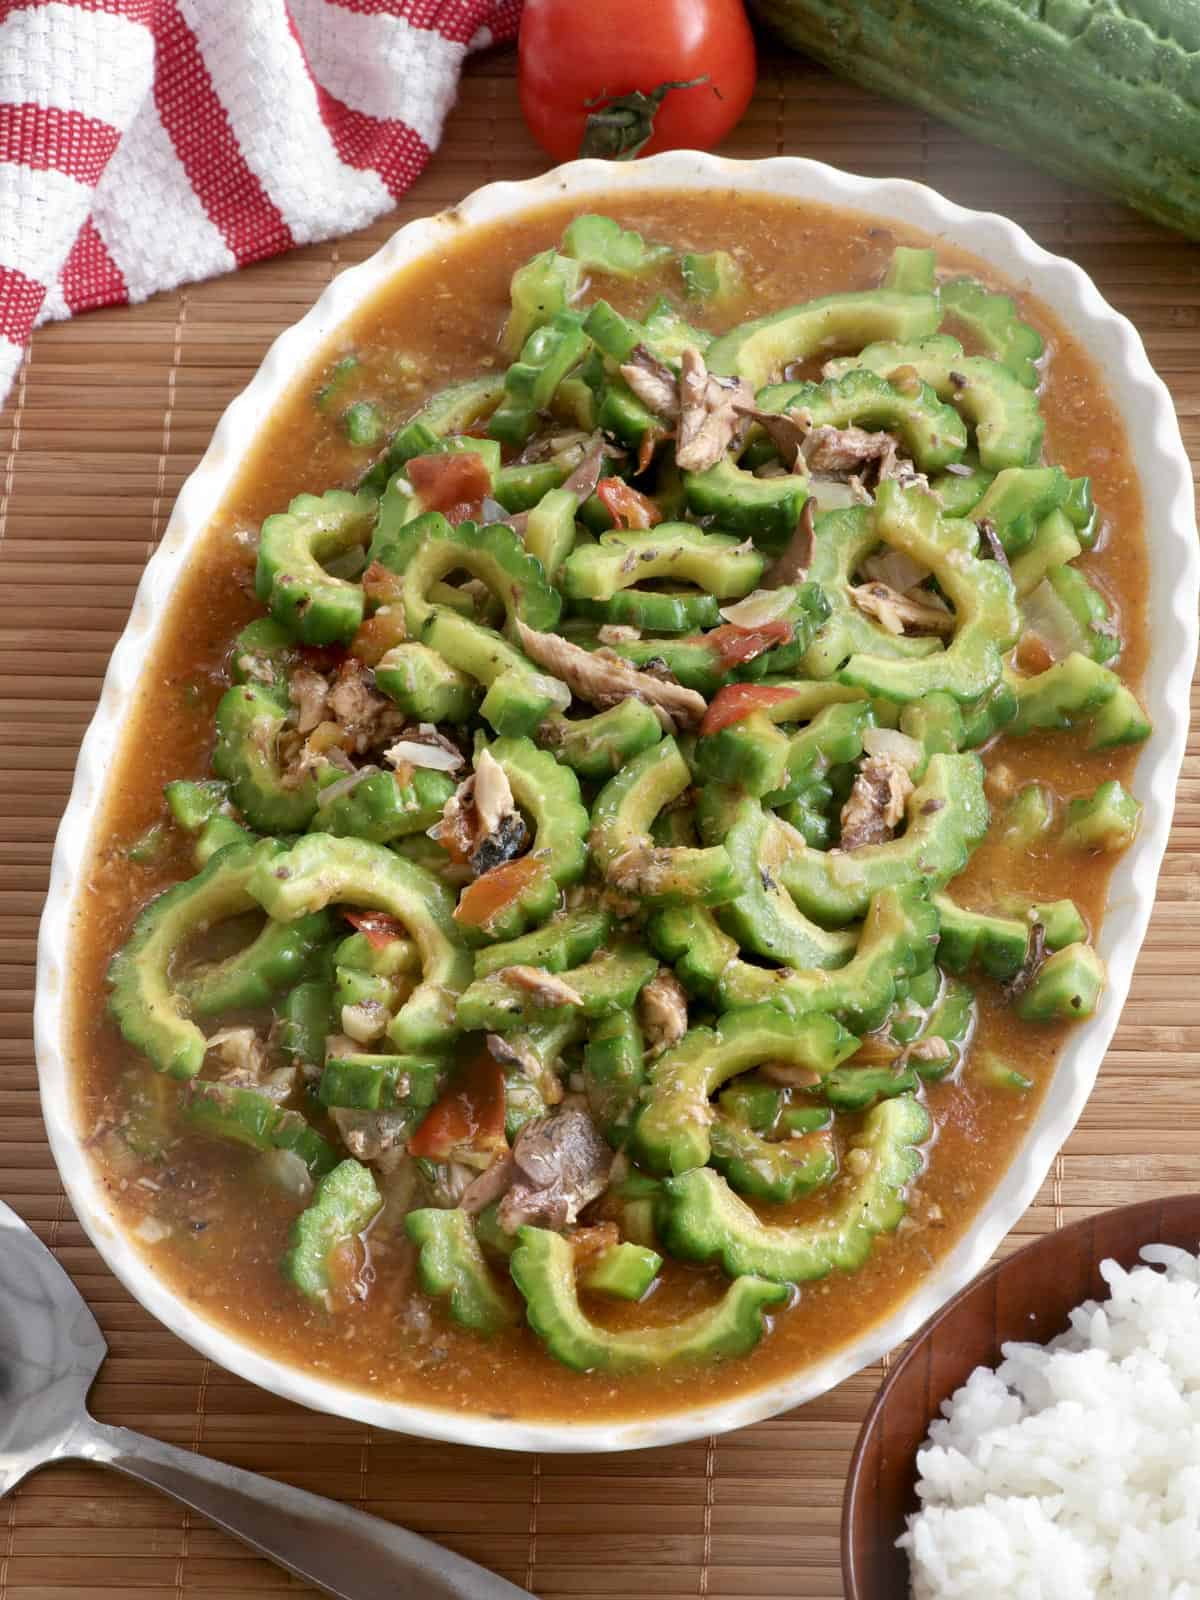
(1072, 1472)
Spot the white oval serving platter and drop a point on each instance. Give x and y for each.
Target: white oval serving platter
(1162, 464)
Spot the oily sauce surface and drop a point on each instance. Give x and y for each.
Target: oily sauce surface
(226, 1224)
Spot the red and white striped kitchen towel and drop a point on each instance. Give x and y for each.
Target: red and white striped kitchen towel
(148, 143)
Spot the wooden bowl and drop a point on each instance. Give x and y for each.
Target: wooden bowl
(1029, 1295)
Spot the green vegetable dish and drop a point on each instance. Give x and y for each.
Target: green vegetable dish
(648, 838)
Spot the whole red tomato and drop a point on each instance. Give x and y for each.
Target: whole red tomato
(614, 60)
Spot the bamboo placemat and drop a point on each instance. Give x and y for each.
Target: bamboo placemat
(111, 413)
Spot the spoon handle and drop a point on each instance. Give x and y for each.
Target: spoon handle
(347, 1553)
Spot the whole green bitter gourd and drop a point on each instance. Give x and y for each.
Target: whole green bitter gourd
(1106, 94)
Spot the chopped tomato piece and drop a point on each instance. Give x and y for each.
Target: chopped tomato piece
(738, 700)
(733, 645)
(445, 481)
(489, 895)
(378, 634)
(377, 927)
(626, 506)
(469, 1115)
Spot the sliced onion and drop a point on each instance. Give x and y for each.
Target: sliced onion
(491, 510)
(239, 1048)
(424, 755)
(893, 567)
(1045, 614)
(891, 742)
(554, 691)
(335, 791)
(285, 1168)
(764, 605)
(366, 1022)
(833, 494)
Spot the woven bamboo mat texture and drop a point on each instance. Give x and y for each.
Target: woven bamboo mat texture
(111, 413)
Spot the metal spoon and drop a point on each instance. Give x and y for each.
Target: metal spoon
(50, 1351)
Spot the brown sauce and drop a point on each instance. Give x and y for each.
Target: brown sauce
(435, 323)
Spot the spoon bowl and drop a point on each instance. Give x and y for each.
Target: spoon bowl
(1028, 1296)
(51, 1349)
